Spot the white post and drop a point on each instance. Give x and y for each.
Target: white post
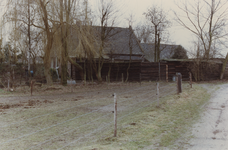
(115, 115)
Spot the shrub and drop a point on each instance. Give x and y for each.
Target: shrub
(53, 74)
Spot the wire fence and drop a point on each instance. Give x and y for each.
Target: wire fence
(107, 125)
(93, 101)
(43, 129)
(90, 121)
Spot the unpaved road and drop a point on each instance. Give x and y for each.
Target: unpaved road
(211, 133)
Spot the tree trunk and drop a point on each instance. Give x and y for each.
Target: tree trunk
(77, 66)
(85, 71)
(64, 35)
(47, 61)
(109, 72)
(158, 48)
(64, 73)
(49, 35)
(99, 78)
(118, 69)
(47, 70)
(223, 67)
(128, 72)
(155, 44)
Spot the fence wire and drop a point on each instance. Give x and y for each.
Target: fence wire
(105, 125)
(109, 123)
(58, 123)
(93, 101)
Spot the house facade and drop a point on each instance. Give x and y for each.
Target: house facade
(120, 45)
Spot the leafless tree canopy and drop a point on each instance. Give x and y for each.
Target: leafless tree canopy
(159, 23)
(207, 20)
(45, 28)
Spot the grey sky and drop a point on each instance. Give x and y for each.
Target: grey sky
(178, 35)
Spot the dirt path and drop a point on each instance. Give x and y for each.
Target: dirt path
(211, 133)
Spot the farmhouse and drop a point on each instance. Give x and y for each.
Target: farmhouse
(121, 45)
(124, 57)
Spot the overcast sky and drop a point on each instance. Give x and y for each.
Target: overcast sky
(178, 35)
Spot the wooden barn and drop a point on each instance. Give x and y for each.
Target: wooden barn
(124, 57)
(164, 70)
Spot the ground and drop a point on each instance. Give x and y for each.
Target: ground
(211, 132)
(65, 117)
(81, 116)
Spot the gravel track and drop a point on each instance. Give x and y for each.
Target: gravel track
(211, 133)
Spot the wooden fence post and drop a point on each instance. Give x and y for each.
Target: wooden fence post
(190, 77)
(71, 85)
(122, 78)
(8, 76)
(167, 73)
(8, 84)
(159, 71)
(158, 93)
(176, 79)
(31, 86)
(179, 83)
(140, 79)
(115, 115)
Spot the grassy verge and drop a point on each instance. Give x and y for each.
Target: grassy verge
(158, 127)
(4, 92)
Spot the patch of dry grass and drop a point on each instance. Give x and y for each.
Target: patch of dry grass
(158, 127)
(150, 125)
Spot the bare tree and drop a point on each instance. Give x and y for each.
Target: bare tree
(24, 37)
(1, 52)
(159, 21)
(107, 17)
(143, 33)
(207, 21)
(46, 24)
(130, 42)
(65, 8)
(75, 36)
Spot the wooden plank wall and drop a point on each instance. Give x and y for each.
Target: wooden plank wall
(178, 67)
(117, 69)
(150, 71)
(226, 72)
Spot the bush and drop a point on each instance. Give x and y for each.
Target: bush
(39, 73)
(180, 53)
(53, 74)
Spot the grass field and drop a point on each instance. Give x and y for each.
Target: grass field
(56, 118)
